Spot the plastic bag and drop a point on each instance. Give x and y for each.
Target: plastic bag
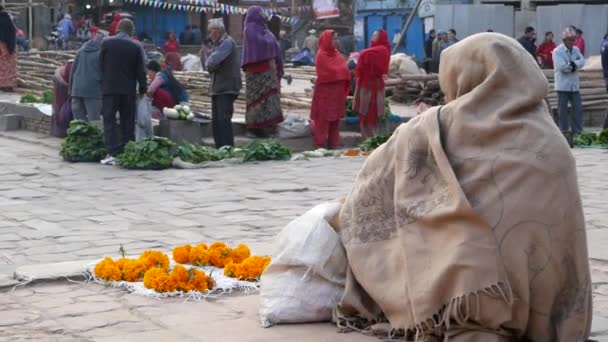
(143, 122)
(191, 62)
(294, 127)
(306, 278)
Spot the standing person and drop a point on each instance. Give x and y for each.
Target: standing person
(428, 50)
(171, 45)
(604, 52)
(567, 60)
(528, 40)
(114, 25)
(580, 41)
(83, 34)
(545, 51)
(85, 81)
(285, 43)
(331, 89)
(372, 69)
(311, 42)
(452, 37)
(263, 70)
(274, 26)
(67, 29)
(224, 67)
(122, 70)
(440, 44)
(8, 52)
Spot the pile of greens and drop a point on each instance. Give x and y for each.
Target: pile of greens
(153, 153)
(387, 109)
(84, 143)
(47, 98)
(592, 139)
(262, 150)
(197, 154)
(349, 108)
(374, 142)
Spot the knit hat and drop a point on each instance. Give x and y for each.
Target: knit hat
(217, 23)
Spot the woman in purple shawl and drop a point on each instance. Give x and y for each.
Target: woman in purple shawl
(263, 70)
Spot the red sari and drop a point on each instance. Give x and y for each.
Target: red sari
(331, 89)
(372, 66)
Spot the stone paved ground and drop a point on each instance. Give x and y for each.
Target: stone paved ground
(51, 211)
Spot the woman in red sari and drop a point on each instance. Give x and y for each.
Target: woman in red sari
(331, 89)
(372, 69)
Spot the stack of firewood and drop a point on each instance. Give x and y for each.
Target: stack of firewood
(416, 88)
(36, 71)
(593, 90)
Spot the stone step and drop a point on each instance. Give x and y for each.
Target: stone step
(10, 122)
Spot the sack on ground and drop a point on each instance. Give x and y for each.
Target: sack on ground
(191, 62)
(294, 127)
(305, 280)
(143, 123)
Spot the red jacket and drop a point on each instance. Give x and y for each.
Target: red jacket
(580, 44)
(545, 52)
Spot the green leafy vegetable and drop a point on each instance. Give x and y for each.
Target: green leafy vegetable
(374, 142)
(47, 97)
(602, 137)
(349, 108)
(197, 153)
(584, 139)
(266, 150)
(153, 153)
(84, 143)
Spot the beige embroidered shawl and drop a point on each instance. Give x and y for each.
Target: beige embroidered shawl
(470, 219)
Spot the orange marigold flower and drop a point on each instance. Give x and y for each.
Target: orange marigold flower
(159, 280)
(219, 256)
(240, 253)
(203, 245)
(155, 259)
(181, 254)
(200, 281)
(107, 270)
(217, 244)
(251, 268)
(230, 269)
(199, 256)
(180, 274)
(133, 270)
(120, 263)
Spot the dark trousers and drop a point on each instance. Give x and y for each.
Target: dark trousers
(222, 108)
(126, 105)
(574, 98)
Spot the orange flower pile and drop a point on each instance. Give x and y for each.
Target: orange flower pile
(250, 269)
(218, 254)
(354, 153)
(180, 279)
(131, 269)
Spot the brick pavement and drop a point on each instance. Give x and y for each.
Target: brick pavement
(52, 211)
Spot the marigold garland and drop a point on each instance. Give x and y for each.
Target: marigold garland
(155, 259)
(133, 270)
(250, 269)
(107, 270)
(199, 255)
(181, 254)
(159, 280)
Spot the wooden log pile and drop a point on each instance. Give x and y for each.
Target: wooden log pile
(416, 88)
(593, 90)
(36, 71)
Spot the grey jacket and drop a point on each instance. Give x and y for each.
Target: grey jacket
(224, 66)
(567, 78)
(85, 78)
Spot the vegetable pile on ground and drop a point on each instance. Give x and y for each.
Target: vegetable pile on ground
(350, 113)
(47, 98)
(263, 150)
(153, 153)
(197, 154)
(84, 143)
(319, 153)
(591, 139)
(374, 142)
(179, 112)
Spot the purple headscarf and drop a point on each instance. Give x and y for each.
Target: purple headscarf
(259, 43)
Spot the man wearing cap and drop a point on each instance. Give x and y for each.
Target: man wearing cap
(224, 66)
(122, 73)
(440, 44)
(311, 42)
(567, 61)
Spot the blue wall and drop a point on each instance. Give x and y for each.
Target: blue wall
(175, 21)
(392, 22)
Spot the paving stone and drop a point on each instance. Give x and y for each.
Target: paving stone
(17, 317)
(85, 323)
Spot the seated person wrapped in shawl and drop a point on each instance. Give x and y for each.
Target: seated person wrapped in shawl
(163, 83)
(467, 224)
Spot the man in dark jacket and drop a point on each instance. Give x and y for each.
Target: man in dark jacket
(528, 41)
(122, 71)
(428, 50)
(224, 65)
